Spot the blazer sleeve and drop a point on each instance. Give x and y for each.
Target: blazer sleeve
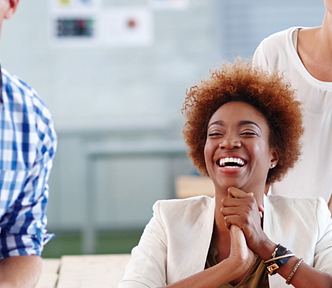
(147, 266)
(323, 251)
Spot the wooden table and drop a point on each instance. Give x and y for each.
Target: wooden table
(102, 271)
(49, 276)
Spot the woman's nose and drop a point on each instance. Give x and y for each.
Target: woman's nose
(230, 143)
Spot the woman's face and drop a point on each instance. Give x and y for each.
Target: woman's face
(237, 151)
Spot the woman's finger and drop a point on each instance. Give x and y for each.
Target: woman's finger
(233, 220)
(236, 202)
(261, 210)
(236, 193)
(225, 211)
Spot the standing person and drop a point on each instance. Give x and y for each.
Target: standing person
(305, 56)
(27, 147)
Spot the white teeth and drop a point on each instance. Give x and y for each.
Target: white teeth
(223, 161)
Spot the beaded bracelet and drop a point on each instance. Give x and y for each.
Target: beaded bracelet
(293, 271)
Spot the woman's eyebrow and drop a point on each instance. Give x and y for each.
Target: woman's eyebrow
(219, 122)
(246, 122)
(242, 123)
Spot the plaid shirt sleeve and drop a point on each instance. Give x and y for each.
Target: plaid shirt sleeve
(27, 148)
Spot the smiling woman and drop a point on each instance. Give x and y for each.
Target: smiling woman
(237, 144)
(268, 93)
(243, 128)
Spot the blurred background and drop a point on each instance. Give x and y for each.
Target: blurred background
(114, 75)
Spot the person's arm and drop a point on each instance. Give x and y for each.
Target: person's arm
(237, 264)
(148, 263)
(242, 210)
(23, 232)
(330, 206)
(20, 271)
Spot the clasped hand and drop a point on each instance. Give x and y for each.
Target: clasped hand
(242, 210)
(242, 217)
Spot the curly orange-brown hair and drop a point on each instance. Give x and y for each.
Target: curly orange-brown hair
(268, 93)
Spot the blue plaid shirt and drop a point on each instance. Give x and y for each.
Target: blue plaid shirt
(27, 148)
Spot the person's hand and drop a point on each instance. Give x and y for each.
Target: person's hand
(239, 250)
(241, 209)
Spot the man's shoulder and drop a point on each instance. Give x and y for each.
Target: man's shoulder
(15, 90)
(19, 97)
(12, 81)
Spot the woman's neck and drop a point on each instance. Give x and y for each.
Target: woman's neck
(315, 49)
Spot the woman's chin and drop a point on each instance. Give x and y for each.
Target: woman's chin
(225, 185)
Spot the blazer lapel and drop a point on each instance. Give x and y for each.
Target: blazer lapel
(204, 236)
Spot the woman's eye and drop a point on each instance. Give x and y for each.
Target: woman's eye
(215, 134)
(248, 133)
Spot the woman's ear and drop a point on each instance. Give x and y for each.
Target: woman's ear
(11, 9)
(274, 158)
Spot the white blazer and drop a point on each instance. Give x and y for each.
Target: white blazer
(175, 243)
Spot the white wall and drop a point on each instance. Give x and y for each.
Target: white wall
(105, 94)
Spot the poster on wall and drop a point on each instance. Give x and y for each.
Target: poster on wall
(75, 6)
(74, 30)
(127, 27)
(74, 22)
(169, 4)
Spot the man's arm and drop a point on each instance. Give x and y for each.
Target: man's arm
(20, 271)
(24, 184)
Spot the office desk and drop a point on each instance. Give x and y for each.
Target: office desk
(49, 275)
(102, 271)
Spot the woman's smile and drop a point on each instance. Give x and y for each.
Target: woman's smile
(231, 162)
